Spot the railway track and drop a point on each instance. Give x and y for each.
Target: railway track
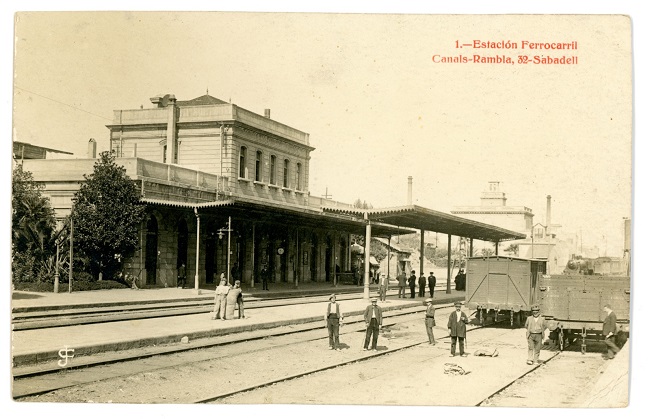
(44, 378)
(43, 319)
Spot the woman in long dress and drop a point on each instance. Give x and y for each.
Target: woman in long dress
(220, 300)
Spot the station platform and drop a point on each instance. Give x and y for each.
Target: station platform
(43, 345)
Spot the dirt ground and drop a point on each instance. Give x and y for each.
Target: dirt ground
(410, 377)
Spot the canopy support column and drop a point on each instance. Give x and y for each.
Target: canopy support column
(198, 240)
(448, 264)
(496, 247)
(366, 262)
(421, 252)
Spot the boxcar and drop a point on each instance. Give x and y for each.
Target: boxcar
(502, 284)
(574, 305)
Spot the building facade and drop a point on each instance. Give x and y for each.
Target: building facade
(226, 191)
(493, 210)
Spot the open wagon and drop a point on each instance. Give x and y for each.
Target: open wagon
(573, 304)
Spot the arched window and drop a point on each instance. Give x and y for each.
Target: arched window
(285, 174)
(299, 176)
(242, 162)
(272, 171)
(258, 166)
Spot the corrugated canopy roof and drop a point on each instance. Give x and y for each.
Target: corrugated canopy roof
(283, 213)
(413, 216)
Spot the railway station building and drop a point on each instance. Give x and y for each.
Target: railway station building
(227, 191)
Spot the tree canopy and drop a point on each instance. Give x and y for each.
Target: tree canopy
(107, 214)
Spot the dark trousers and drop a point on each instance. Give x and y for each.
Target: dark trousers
(612, 349)
(429, 323)
(421, 292)
(453, 344)
(372, 329)
(431, 292)
(240, 308)
(534, 346)
(412, 291)
(182, 281)
(265, 284)
(333, 331)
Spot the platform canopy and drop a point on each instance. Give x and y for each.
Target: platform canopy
(416, 217)
(282, 213)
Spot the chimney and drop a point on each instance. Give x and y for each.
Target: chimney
(92, 149)
(409, 196)
(548, 211)
(267, 113)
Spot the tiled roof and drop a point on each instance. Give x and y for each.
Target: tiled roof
(200, 101)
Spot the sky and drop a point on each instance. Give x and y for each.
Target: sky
(365, 88)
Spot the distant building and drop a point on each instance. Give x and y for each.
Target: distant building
(26, 151)
(397, 261)
(493, 210)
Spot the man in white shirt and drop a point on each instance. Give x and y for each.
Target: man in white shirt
(373, 319)
(333, 318)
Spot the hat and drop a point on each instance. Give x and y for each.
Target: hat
(457, 304)
(429, 300)
(332, 296)
(373, 300)
(431, 273)
(535, 308)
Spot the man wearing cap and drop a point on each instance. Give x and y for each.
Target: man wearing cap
(412, 280)
(422, 284)
(609, 332)
(373, 319)
(383, 287)
(432, 283)
(457, 329)
(401, 284)
(430, 320)
(333, 318)
(535, 327)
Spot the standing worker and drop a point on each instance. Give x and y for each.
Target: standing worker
(333, 320)
(535, 327)
(232, 299)
(457, 330)
(266, 273)
(383, 287)
(401, 285)
(432, 283)
(182, 276)
(430, 320)
(220, 300)
(412, 280)
(373, 319)
(609, 332)
(422, 284)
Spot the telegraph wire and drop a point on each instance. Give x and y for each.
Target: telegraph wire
(62, 103)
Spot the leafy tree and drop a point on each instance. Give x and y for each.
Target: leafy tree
(487, 252)
(32, 215)
(33, 226)
(513, 249)
(107, 214)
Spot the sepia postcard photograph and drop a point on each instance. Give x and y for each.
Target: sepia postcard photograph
(312, 212)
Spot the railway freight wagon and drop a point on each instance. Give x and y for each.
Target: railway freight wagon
(573, 305)
(497, 284)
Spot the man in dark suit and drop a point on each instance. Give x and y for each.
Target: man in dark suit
(457, 330)
(373, 319)
(412, 280)
(432, 283)
(609, 332)
(422, 284)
